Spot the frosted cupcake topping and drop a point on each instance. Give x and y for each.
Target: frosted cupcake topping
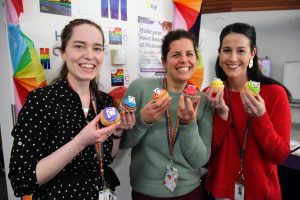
(110, 113)
(254, 86)
(130, 102)
(158, 91)
(216, 81)
(191, 89)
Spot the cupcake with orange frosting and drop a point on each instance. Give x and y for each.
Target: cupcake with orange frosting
(217, 85)
(191, 92)
(159, 94)
(253, 87)
(128, 104)
(109, 116)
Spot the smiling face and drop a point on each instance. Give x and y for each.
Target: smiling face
(181, 60)
(234, 56)
(84, 53)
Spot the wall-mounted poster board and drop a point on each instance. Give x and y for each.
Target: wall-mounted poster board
(291, 79)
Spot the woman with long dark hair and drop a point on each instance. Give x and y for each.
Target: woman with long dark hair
(251, 134)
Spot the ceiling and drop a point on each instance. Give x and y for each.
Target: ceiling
(261, 20)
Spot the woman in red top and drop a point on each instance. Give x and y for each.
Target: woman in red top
(251, 134)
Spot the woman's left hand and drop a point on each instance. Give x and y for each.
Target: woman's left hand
(127, 119)
(187, 110)
(127, 122)
(254, 106)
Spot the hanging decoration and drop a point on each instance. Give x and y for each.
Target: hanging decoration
(187, 16)
(28, 70)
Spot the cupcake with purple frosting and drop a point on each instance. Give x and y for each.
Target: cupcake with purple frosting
(109, 116)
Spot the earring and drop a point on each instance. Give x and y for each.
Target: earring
(63, 58)
(250, 64)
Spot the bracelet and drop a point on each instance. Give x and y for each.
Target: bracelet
(116, 137)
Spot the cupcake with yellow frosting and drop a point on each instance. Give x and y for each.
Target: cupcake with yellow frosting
(253, 87)
(217, 85)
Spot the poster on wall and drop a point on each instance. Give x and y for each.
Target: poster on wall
(57, 7)
(115, 35)
(45, 57)
(117, 77)
(149, 7)
(150, 36)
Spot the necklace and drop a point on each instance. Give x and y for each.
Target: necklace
(85, 110)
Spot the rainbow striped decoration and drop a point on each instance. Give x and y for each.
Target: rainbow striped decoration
(45, 57)
(187, 16)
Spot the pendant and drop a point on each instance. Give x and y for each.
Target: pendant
(85, 110)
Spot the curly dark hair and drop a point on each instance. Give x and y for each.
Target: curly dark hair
(176, 35)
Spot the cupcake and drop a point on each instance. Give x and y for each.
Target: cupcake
(191, 92)
(128, 104)
(109, 116)
(253, 87)
(217, 85)
(159, 94)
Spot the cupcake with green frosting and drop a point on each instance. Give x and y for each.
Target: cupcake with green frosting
(253, 87)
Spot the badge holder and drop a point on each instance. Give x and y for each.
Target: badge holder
(106, 193)
(239, 188)
(171, 177)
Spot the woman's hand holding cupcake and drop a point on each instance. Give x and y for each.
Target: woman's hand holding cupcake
(127, 120)
(127, 108)
(187, 109)
(91, 135)
(253, 103)
(110, 116)
(156, 107)
(215, 94)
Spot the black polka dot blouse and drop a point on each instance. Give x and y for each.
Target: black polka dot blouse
(51, 117)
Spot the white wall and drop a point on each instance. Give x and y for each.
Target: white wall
(280, 46)
(209, 43)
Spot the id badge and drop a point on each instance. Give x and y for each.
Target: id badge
(239, 191)
(171, 177)
(113, 196)
(105, 195)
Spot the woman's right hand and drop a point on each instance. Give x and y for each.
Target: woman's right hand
(50, 166)
(91, 135)
(218, 103)
(153, 111)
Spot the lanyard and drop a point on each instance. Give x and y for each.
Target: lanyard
(171, 135)
(242, 149)
(98, 146)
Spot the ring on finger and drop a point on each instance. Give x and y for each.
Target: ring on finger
(245, 107)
